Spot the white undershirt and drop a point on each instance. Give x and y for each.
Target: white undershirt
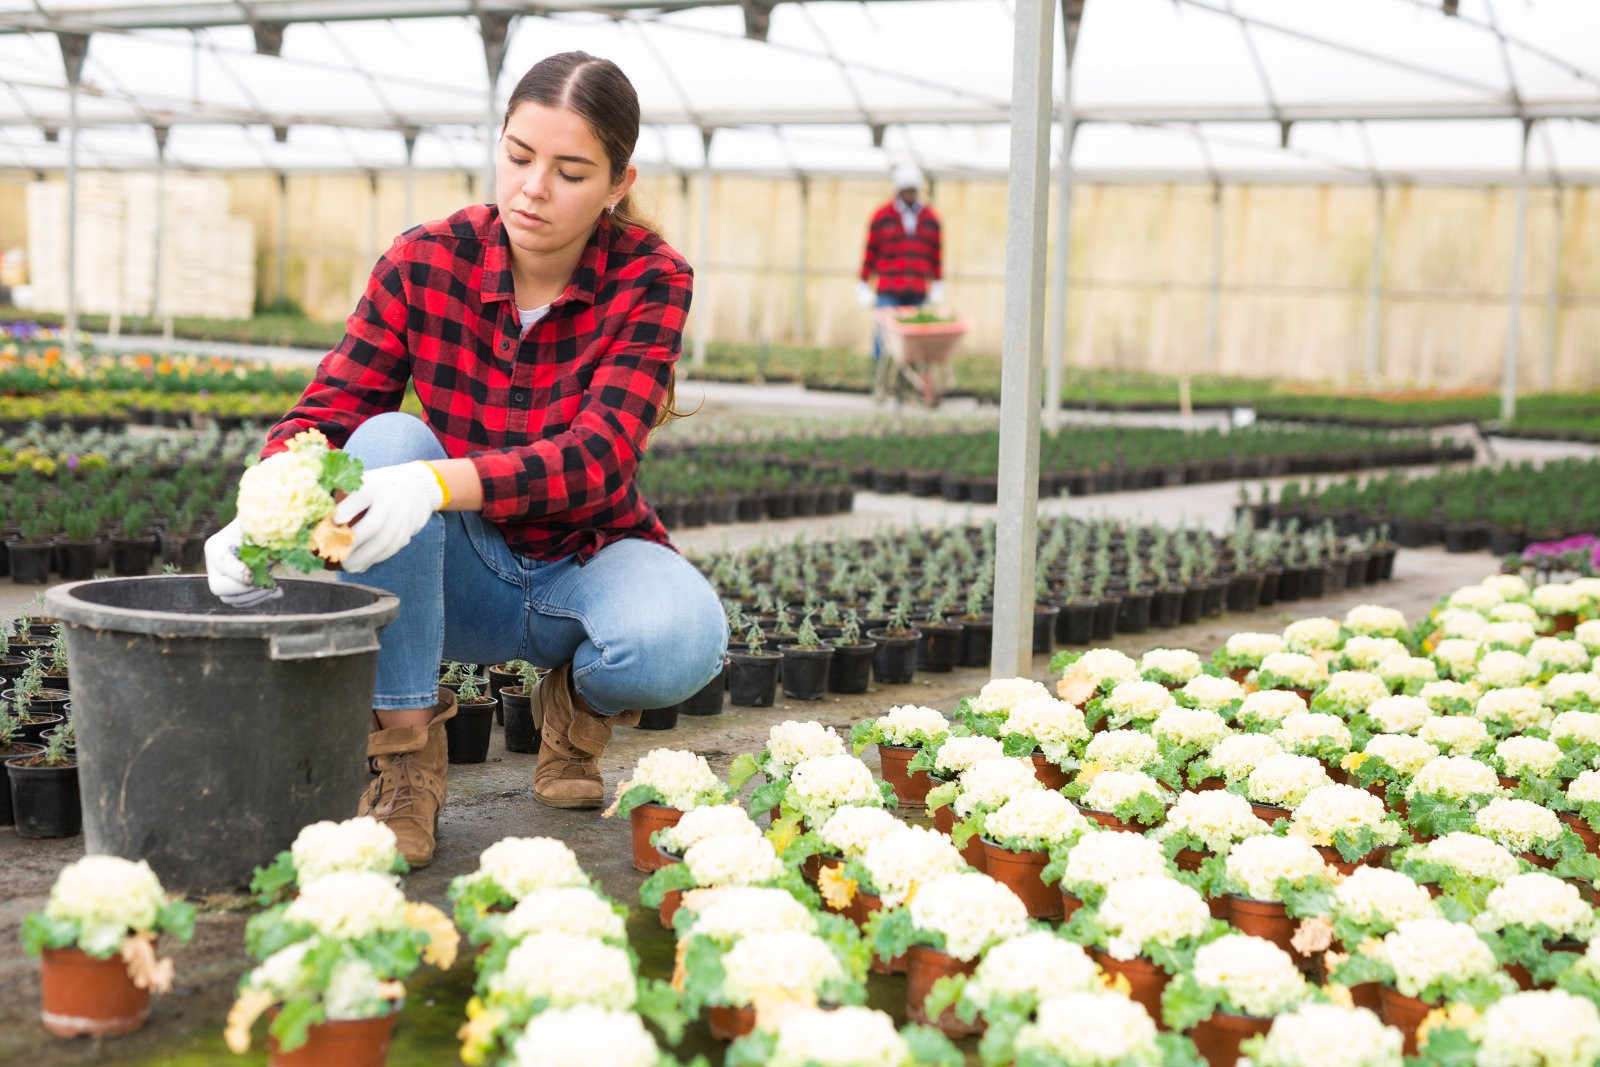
(529, 316)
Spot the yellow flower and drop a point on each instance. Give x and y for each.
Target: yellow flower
(1117, 983)
(245, 1011)
(783, 833)
(836, 889)
(443, 938)
(1088, 771)
(1352, 761)
(1456, 1016)
(1339, 995)
(477, 1034)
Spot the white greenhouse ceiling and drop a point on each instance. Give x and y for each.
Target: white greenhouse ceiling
(1188, 90)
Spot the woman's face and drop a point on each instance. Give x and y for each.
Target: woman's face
(552, 179)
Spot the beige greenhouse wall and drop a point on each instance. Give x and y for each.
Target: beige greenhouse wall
(1294, 280)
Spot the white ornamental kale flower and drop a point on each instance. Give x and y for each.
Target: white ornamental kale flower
(1306, 730)
(730, 912)
(1455, 735)
(1326, 1035)
(1405, 670)
(713, 820)
(1091, 1028)
(1509, 612)
(1556, 598)
(1100, 859)
(1577, 727)
(1520, 825)
(720, 861)
(1103, 665)
(1267, 707)
(787, 963)
(1136, 702)
(1537, 899)
(1479, 598)
(360, 844)
(1174, 665)
(1585, 788)
(1258, 864)
(1545, 1028)
(1446, 698)
(108, 897)
(1530, 756)
(1057, 726)
(1556, 654)
(1365, 653)
(1038, 819)
(1298, 670)
(972, 911)
(678, 776)
(1285, 780)
(1510, 586)
(1503, 669)
(913, 724)
(1252, 646)
(1000, 695)
(1121, 750)
(822, 783)
(1374, 620)
(1190, 727)
(1256, 976)
(990, 783)
(279, 497)
(850, 830)
(1378, 895)
(1422, 951)
(1211, 692)
(565, 970)
(790, 743)
(1513, 636)
(354, 992)
(1519, 707)
(520, 865)
(1399, 714)
(1333, 808)
(958, 754)
(1587, 634)
(1353, 691)
(1240, 754)
(1469, 855)
(839, 1037)
(584, 1036)
(1110, 789)
(1458, 655)
(900, 861)
(1460, 622)
(349, 904)
(1032, 966)
(1216, 819)
(575, 910)
(1406, 754)
(1456, 777)
(1158, 910)
(1316, 634)
(1565, 690)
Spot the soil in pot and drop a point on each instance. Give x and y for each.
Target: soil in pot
(925, 966)
(805, 671)
(467, 735)
(45, 702)
(753, 678)
(82, 996)
(850, 670)
(894, 661)
(1019, 872)
(645, 820)
(522, 733)
(910, 788)
(343, 1043)
(35, 726)
(1218, 1038)
(939, 647)
(1146, 981)
(44, 800)
(708, 701)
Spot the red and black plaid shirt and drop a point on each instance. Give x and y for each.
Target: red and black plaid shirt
(556, 421)
(904, 262)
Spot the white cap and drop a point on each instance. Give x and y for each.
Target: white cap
(907, 176)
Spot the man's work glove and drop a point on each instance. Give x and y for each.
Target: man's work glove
(398, 501)
(229, 579)
(936, 293)
(864, 295)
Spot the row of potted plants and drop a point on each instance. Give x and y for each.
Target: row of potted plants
(39, 793)
(691, 490)
(1501, 509)
(34, 365)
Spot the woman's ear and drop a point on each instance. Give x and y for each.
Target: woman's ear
(622, 188)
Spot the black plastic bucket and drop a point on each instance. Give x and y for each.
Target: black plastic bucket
(209, 735)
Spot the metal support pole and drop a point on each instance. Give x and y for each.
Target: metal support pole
(283, 235)
(372, 216)
(411, 178)
(801, 266)
(1022, 346)
(157, 278)
(1375, 291)
(74, 50)
(1061, 260)
(702, 245)
(1214, 304)
(1519, 245)
(1552, 300)
(495, 30)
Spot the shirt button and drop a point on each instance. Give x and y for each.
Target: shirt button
(519, 397)
(504, 344)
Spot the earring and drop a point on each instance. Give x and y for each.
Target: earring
(611, 209)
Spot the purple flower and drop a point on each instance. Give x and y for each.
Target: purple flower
(72, 461)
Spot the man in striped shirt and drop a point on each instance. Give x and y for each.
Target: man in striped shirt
(904, 251)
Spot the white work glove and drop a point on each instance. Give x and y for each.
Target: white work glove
(229, 579)
(864, 295)
(398, 502)
(936, 293)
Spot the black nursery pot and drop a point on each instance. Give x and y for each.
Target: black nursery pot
(1269, 587)
(77, 559)
(805, 671)
(30, 564)
(467, 735)
(1105, 617)
(659, 718)
(131, 556)
(44, 800)
(46, 702)
(1212, 594)
(1165, 607)
(894, 661)
(977, 638)
(1289, 584)
(850, 670)
(1044, 630)
(1244, 592)
(6, 752)
(753, 678)
(1075, 624)
(34, 728)
(516, 708)
(939, 647)
(708, 701)
(1311, 582)
(1133, 617)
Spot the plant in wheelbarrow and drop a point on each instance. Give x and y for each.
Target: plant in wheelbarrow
(805, 663)
(333, 966)
(467, 735)
(96, 940)
(44, 787)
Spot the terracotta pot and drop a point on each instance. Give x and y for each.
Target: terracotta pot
(81, 995)
(944, 820)
(352, 1043)
(1219, 1037)
(1524, 980)
(1264, 918)
(1404, 1014)
(1190, 860)
(1270, 813)
(1206, 785)
(1146, 981)
(1366, 996)
(728, 1023)
(1239, 674)
(865, 905)
(646, 819)
(1048, 773)
(924, 966)
(1375, 858)
(671, 901)
(1019, 872)
(1564, 623)
(911, 789)
(1591, 840)
(1108, 820)
(1069, 905)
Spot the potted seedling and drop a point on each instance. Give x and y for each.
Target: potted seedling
(753, 672)
(132, 549)
(77, 546)
(467, 734)
(11, 744)
(516, 703)
(1045, 611)
(941, 638)
(44, 788)
(977, 627)
(38, 707)
(805, 663)
(30, 552)
(894, 661)
(851, 667)
(1075, 624)
(55, 671)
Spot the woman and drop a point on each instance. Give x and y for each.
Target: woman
(541, 332)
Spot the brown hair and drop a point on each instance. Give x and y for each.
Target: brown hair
(597, 91)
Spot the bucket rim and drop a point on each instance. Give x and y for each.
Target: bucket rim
(63, 602)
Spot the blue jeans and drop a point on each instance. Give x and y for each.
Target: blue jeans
(889, 300)
(642, 627)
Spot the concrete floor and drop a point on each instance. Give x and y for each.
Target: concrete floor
(492, 800)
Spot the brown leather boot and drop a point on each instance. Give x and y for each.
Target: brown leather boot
(574, 737)
(410, 787)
